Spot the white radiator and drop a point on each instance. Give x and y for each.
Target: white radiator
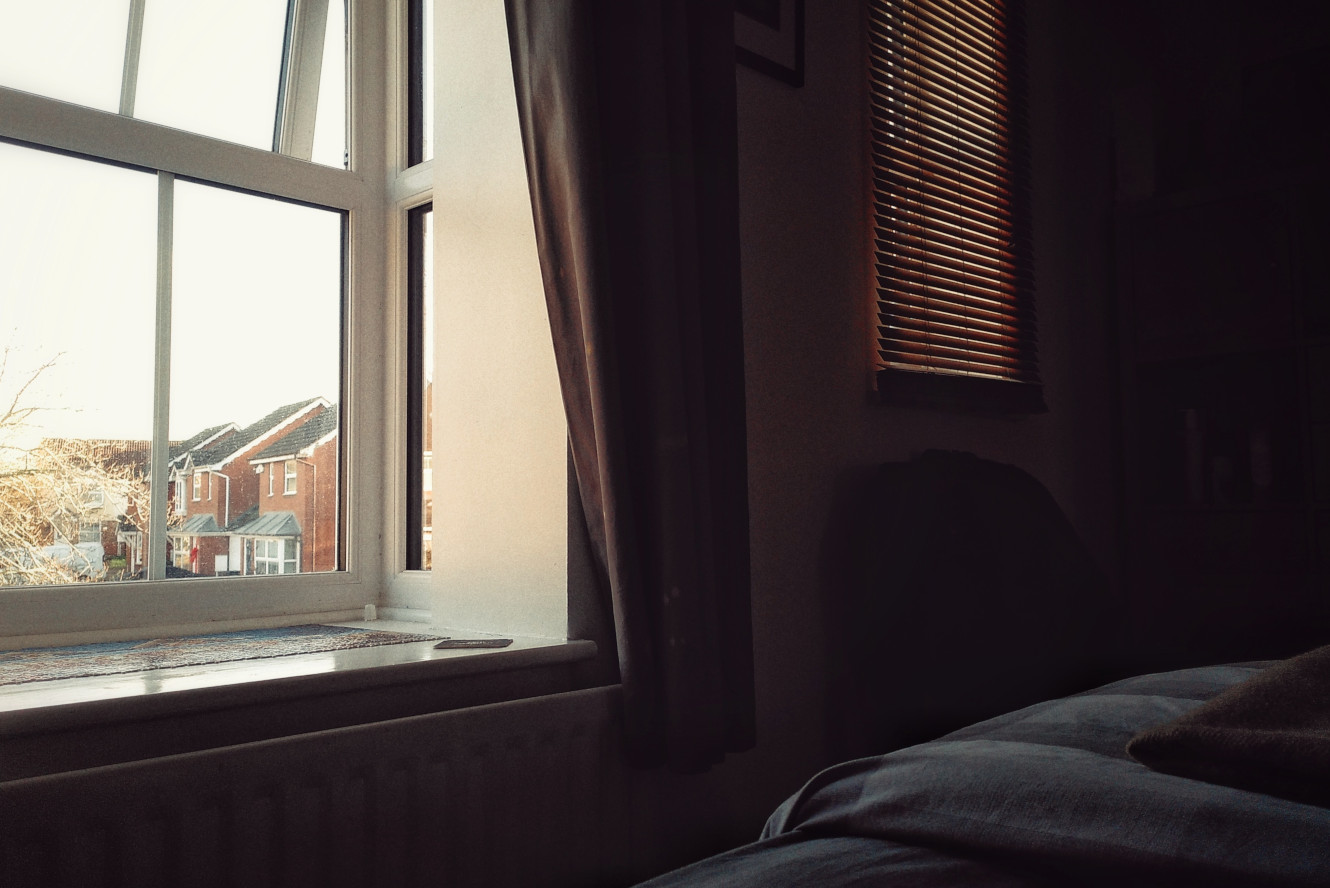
(528, 793)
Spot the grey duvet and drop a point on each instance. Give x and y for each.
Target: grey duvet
(1046, 795)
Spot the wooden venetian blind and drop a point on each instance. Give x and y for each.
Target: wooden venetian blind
(950, 162)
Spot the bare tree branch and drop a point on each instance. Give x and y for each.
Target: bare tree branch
(52, 492)
(15, 416)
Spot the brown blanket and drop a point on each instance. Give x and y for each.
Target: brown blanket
(1270, 734)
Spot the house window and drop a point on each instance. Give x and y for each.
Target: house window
(289, 477)
(181, 547)
(198, 486)
(953, 254)
(272, 556)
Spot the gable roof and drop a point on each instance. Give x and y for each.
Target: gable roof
(233, 445)
(306, 435)
(180, 450)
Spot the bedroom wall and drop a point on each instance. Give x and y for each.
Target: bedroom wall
(813, 429)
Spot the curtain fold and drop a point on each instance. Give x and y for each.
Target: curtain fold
(628, 123)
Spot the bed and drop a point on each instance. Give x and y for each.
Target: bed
(999, 776)
(1046, 795)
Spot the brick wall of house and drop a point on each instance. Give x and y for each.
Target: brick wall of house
(323, 546)
(314, 504)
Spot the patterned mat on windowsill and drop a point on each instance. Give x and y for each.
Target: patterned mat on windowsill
(115, 657)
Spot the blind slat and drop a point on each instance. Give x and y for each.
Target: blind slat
(932, 302)
(976, 37)
(998, 340)
(924, 251)
(902, 67)
(892, 144)
(906, 272)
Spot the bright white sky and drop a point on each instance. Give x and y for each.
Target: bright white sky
(257, 283)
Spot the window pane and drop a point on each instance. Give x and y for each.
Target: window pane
(256, 363)
(213, 68)
(330, 126)
(427, 398)
(77, 293)
(72, 50)
(420, 82)
(420, 389)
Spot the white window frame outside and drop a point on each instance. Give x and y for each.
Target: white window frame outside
(289, 477)
(287, 554)
(62, 614)
(196, 482)
(181, 545)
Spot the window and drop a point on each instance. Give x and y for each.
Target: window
(289, 477)
(489, 517)
(195, 227)
(153, 216)
(283, 62)
(953, 254)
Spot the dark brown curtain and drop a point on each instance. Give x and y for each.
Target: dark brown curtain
(628, 121)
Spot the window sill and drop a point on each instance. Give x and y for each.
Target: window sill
(66, 724)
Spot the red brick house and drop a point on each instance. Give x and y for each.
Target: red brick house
(296, 525)
(217, 491)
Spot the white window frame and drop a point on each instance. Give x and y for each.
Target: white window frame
(196, 482)
(66, 614)
(503, 571)
(180, 548)
(289, 477)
